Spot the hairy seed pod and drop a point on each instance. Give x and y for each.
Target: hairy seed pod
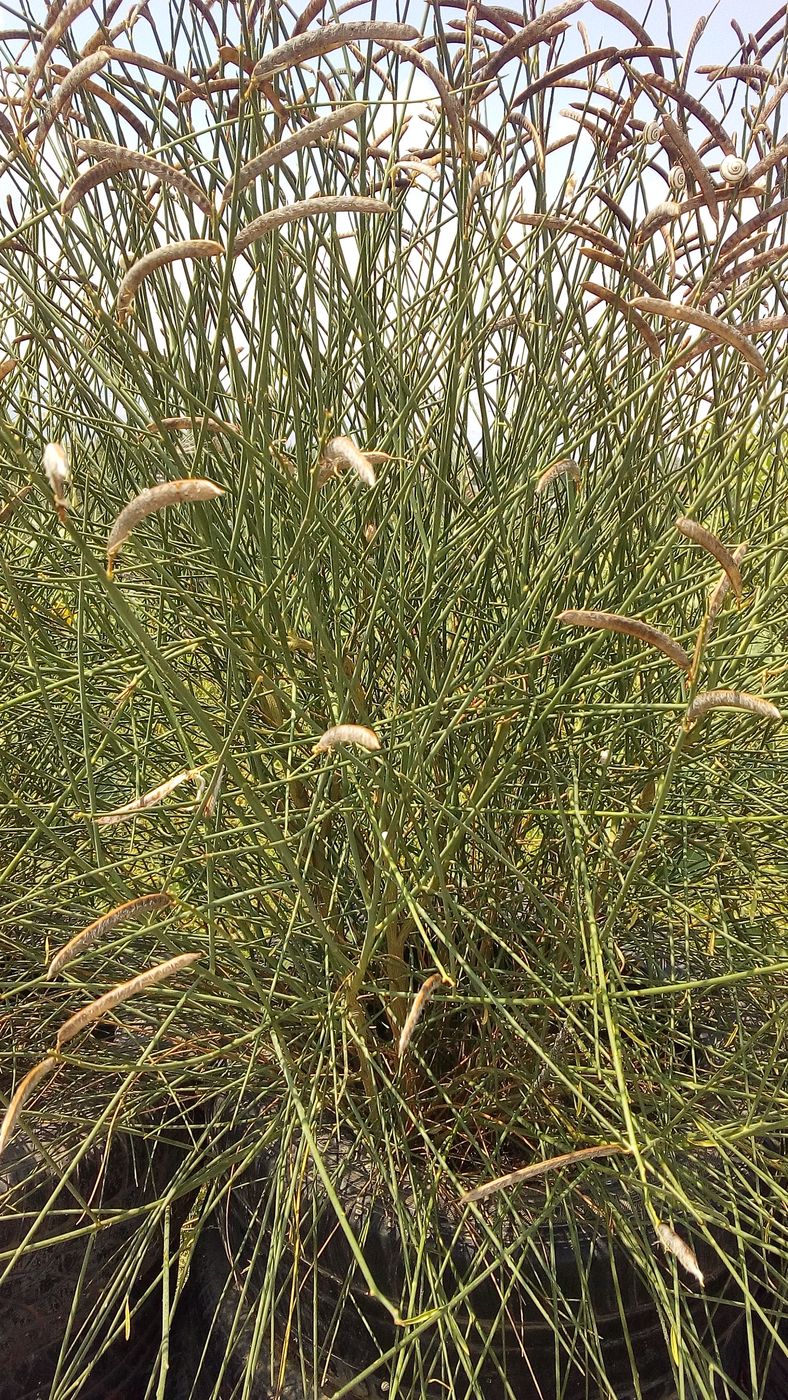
(22, 1094)
(700, 535)
(125, 159)
(630, 627)
(733, 170)
(161, 257)
(567, 466)
(537, 1169)
(314, 42)
(420, 1002)
(675, 1245)
(117, 995)
(657, 218)
(154, 498)
(348, 734)
(308, 135)
(730, 700)
(307, 209)
(147, 800)
(693, 316)
(134, 909)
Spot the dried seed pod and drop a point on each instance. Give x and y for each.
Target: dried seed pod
(187, 425)
(693, 316)
(308, 135)
(720, 592)
(153, 498)
(537, 1169)
(66, 89)
(134, 909)
(161, 257)
(675, 1245)
(535, 32)
(638, 321)
(674, 138)
(85, 182)
(730, 700)
(677, 178)
(700, 535)
(58, 474)
(117, 995)
(20, 1097)
(148, 799)
(125, 159)
(6, 366)
(307, 209)
(657, 218)
(420, 1002)
(733, 170)
(52, 37)
(348, 734)
(314, 42)
(630, 627)
(566, 466)
(618, 264)
(341, 454)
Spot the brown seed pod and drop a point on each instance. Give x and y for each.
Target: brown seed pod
(566, 223)
(315, 42)
(155, 65)
(134, 909)
(20, 1097)
(630, 627)
(567, 466)
(535, 32)
(148, 799)
(421, 1000)
(673, 137)
(744, 232)
(88, 180)
(58, 474)
(186, 425)
(720, 591)
(66, 89)
(700, 535)
(124, 159)
(730, 700)
(618, 264)
(675, 1245)
(52, 37)
(537, 1169)
(117, 995)
(161, 257)
(153, 498)
(307, 209)
(308, 135)
(639, 322)
(348, 734)
(341, 454)
(448, 100)
(656, 219)
(693, 316)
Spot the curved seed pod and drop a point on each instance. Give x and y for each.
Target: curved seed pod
(307, 136)
(331, 36)
(58, 474)
(187, 425)
(745, 231)
(348, 734)
(420, 1002)
(124, 159)
(675, 1245)
(763, 166)
(639, 322)
(674, 136)
(134, 909)
(700, 535)
(6, 366)
(341, 454)
(609, 7)
(720, 592)
(448, 99)
(567, 466)
(85, 182)
(153, 498)
(154, 65)
(656, 218)
(67, 87)
(306, 209)
(730, 700)
(71, 11)
(630, 627)
(536, 1169)
(22, 1094)
(691, 104)
(148, 799)
(733, 170)
(559, 223)
(117, 995)
(618, 264)
(693, 316)
(161, 257)
(532, 33)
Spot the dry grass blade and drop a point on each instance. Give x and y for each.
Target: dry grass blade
(155, 498)
(49, 43)
(22, 1094)
(537, 1169)
(117, 995)
(418, 1006)
(693, 316)
(134, 909)
(307, 209)
(630, 627)
(730, 700)
(308, 135)
(315, 42)
(348, 734)
(66, 89)
(567, 466)
(675, 1245)
(161, 257)
(147, 800)
(713, 546)
(124, 159)
(621, 304)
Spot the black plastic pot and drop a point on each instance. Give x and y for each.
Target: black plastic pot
(523, 1348)
(62, 1271)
